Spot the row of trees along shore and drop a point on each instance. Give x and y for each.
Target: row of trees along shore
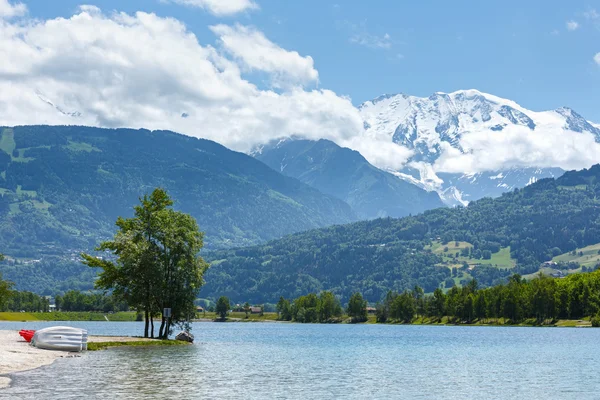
(542, 298)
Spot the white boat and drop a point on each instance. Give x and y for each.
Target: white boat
(63, 338)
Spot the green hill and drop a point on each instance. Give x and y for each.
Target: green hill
(63, 187)
(514, 233)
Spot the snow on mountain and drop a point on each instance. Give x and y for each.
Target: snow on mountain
(449, 122)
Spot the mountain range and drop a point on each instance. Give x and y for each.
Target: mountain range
(429, 125)
(345, 174)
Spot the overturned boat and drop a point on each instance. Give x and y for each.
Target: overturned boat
(64, 338)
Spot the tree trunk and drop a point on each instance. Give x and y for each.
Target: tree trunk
(162, 327)
(152, 327)
(147, 321)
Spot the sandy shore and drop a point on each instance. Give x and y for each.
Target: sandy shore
(17, 355)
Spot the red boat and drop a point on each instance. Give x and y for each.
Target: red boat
(26, 334)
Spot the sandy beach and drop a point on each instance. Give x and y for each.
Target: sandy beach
(17, 355)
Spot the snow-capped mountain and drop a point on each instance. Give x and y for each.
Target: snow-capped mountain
(429, 126)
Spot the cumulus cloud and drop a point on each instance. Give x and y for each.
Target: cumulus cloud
(520, 147)
(597, 58)
(144, 71)
(220, 7)
(572, 25)
(256, 52)
(9, 10)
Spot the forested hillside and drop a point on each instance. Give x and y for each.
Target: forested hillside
(527, 226)
(62, 188)
(347, 175)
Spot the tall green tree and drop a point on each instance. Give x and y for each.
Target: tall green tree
(357, 308)
(222, 307)
(157, 265)
(6, 291)
(328, 307)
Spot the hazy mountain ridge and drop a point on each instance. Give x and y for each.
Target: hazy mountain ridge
(347, 175)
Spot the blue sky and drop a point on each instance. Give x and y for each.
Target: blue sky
(514, 49)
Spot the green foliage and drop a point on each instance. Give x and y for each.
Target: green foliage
(284, 309)
(26, 301)
(520, 229)
(541, 299)
(74, 300)
(157, 264)
(222, 307)
(357, 308)
(95, 346)
(6, 292)
(403, 307)
(62, 188)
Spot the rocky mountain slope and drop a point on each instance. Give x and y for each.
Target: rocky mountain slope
(429, 126)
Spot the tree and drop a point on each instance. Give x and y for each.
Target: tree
(246, 308)
(157, 266)
(357, 308)
(404, 307)
(6, 291)
(328, 307)
(222, 307)
(284, 309)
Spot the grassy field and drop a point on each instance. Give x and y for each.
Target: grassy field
(589, 258)
(94, 346)
(67, 316)
(500, 259)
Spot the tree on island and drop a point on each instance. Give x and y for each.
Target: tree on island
(157, 265)
(222, 307)
(357, 308)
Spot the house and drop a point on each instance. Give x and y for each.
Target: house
(255, 310)
(199, 309)
(371, 310)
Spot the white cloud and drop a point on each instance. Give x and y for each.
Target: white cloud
(8, 10)
(256, 52)
(366, 39)
(572, 25)
(520, 147)
(144, 71)
(591, 14)
(597, 58)
(220, 7)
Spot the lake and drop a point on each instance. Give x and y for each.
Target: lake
(295, 361)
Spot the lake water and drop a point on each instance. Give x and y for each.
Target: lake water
(294, 361)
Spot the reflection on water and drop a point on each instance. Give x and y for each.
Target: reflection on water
(292, 361)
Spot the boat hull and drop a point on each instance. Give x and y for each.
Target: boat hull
(63, 338)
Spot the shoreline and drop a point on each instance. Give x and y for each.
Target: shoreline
(16, 355)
